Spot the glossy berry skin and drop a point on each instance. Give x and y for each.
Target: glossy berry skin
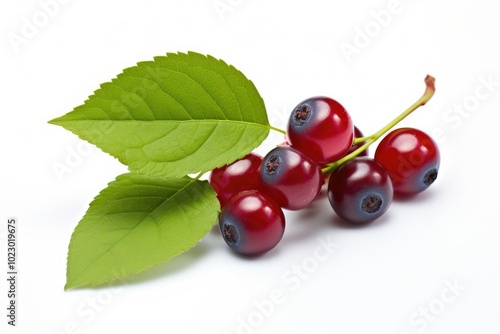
(358, 134)
(360, 190)
(251, 223)
(231, 179)
(321, 128)
(411, 158)
(290, 178)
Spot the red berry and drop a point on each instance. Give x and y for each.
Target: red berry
(358, 134)
(412, 159)
(251, 223)
(231, 179)
(360, 190)
(320, 128)
(292, 179)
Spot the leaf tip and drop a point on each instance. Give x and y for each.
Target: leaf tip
(54, 121)
(72, 284)
(58, 120)
(68, 285)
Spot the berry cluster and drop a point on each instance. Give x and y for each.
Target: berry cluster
(322, 144)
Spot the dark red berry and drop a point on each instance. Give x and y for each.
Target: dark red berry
(251, 223)
(358, 134)
(360, 190)
(292, 179)
(411, 158)
(321, 128)
(242, 174)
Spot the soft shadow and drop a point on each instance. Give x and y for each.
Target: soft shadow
(423, 196)
(259, 257)
(341, 223)
(171, 267)
(309, 221)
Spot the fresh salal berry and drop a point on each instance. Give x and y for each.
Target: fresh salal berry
(411, 158)
(360, 190)
(291, 178)
(251, 223)
(240, 175)
(321, 128)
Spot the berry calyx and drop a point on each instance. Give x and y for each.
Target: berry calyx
(321, 128)
(412, 159)
(291, 178)
(251, 223)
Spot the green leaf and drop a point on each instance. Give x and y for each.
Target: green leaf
(138, 222)
(176, 115)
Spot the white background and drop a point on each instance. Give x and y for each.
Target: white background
(391, 277)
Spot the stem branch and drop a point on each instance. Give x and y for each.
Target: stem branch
(277, 129)
(368, 140)
(361, 139)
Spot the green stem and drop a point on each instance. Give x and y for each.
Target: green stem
(277, 129)
(197, 177)
(429, 92)
(361, 139)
